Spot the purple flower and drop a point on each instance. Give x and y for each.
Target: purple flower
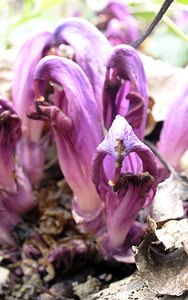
(173, 141)
(124, 172)
(90, 49)
(125, 89)
(180, 18)
(76, 125)
(31, 147)
(10, 133)
(118, 24)
(15, 190)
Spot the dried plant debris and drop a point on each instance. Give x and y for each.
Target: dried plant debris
(4, 277)
(168, 202)
(131, 288)
(162, 258)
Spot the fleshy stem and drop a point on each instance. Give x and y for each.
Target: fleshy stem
(166, 4)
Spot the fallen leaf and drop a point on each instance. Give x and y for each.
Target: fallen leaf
(167, 203)
(162, 258)
(4, 276)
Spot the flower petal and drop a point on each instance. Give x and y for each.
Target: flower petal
(91, 50)
(125, 74)
(173, 138)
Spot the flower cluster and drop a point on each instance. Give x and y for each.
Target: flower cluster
(92, 98)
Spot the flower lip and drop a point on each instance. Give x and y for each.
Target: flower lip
(9, 122)
(121, 143)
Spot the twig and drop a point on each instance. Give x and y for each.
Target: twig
(153, 24)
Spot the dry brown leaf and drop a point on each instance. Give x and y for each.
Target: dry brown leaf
(168, 203)
(162, 258)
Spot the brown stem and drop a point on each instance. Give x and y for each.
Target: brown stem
(153, 24)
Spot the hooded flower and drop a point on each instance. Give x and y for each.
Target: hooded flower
(173, 141)
(90, 50)
(13, 183)
(75, 39)
(118, 24)
(31, 147)
(126, 188)
(15, 190)
(75, 122)
(125, 89)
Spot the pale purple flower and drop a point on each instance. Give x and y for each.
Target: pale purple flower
(125, 89)
(125, 174)
(90, 50)
(118, 25)
(31, 147)
(180, 18)
(173, 141)
(76, 125)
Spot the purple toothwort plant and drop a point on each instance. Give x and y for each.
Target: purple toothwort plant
(124, 169)
(173, 141)
(125, 174)
(118, 25)
(16, 196)
(125, 89)
(76, 125)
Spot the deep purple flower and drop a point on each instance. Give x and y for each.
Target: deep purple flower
(125, 89)
(10, 133)
(118, 24)
(13, 183)
(125, 174)
(76, 125)
(173, 141)
(15, 190)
